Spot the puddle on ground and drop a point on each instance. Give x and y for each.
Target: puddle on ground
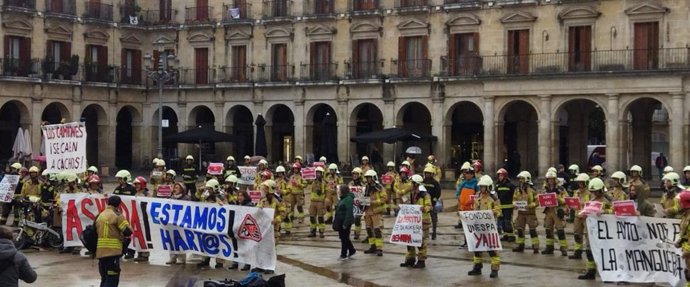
(345, 278)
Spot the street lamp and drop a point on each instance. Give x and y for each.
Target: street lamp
(160, 76)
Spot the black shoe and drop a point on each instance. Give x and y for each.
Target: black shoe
(321, 235)
(366, 240)
(520, 248)
(357, 237)
(371, 250)
(419, 265)
(494, 274)
(312, 233)
(407, 263)
(127, 256)
(379, 252)
(352, 253)
(433, 237)
(258, 270)
(219, 265)
(590, 275)
(576, 255)
(245, 268)
(329, 221)
(459, 226)
(548, 250)
(564, 252)
(536, 251)
(234, 266)
(476, 270)
(203, 264)
(269, 272)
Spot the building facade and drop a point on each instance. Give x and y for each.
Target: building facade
(522, 83)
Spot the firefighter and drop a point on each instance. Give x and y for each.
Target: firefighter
(231, 168)
(667, 169)
(419, 196)
(582, 193)
(92, 170)
(402, 187)
(260, 168)
(112, 229)
(409, 168)
(433, 187)
(123, 180)
(333, 180)
(373, 212)
(157, 176)
(296, 186)
(389, 187)
(683, 241)
(298, 160)
(32, 186)
(231, 189)
(357, 182)
(270, 200)
(212, 194)
(323, 160)
(437, 170)
(282, 187)
(486, 201)
(553, 216)
(7, 207)
(505, 191)
(597, 172)
(48, 194)
(466, 188)
(596, 188)
(669, 202)
(140, 186)
(365, 164)
(527, 216)
(317, 209)
(686, 176)
(636, 178)
(190, 175)
(93, 185)
(618, 185)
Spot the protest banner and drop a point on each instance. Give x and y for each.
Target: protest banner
(408, 226)
(481, 231)
(255, 195)
(358, 192)
(520, 205)
(549, 199)
(7, 187)
(248, 175)
(624, 208)
(572, 202)
(215, 168)
(592, 208)
(65, 147)
(164, 191)
(240, 233)
(386, 179)
(309, 173)
(636, 249)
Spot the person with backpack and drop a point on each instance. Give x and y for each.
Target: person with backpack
(13, 264)
(112, 229)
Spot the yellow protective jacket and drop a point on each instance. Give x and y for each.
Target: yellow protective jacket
(487, 202)
(332, 182)
(528, 195)
(669, 201)
(318, 191)
(403, 188)
(423, 199)
(377, 199)
(685, 233)
(279, 208)
(282, 186)
(29, 188)
(297, 184)
(618, 194)
(110, 226)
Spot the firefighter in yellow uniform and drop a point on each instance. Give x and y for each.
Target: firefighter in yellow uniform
(618, 185)
(296, 186)
(419, 196)
(669, 200)
(112, 229)
(684, 239)
(554, 216)
(486, 201)
(333, 180)
(357, 182)
(527, 216)
(596, 188)
(402, 188)
(317, 209)
(32, 186)
(389, 187)
(373, 213)
(269, 200)
(365, 164)
(283, 189)
(582, 193)
(437, 170)
(157, 176)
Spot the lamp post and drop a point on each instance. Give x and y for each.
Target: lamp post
(160, 76)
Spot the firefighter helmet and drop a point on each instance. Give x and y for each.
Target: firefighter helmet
(370, 173)
(280, 168)
(390, 164)
(418, 179)
(574, 168)
(596, 184)
(333, 166)
(231, 178)
(124, 175)
(684, 199)
(526, 176)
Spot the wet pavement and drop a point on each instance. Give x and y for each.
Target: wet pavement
(314, 262)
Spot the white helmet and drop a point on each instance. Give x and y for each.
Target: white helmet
(597, 168)
(574, 168)
(320, 169)
(71, 177)
(620, 177)
(92, 169)
(526, 176)
(280, 168)
(636, 168)
(686, 168)
(323, 159)
(230, 158)
(231, 178)
(171, 172)
(247, 157)
(466, 166)
(390, 164)
(551, 174)
(370, 173)
(407, 163)
(263, 161)
(552, 169)
(269, 183)
(160, 162)
(365, 158)
(189, 157)
(212, 183)
(124, 174)
(333, 166)
(155, 161)
(485, 180)
(357, 170)
(668, 169)
(418, 179)
(583, 177)
(16, 166)
(673, 177)
(596, 184)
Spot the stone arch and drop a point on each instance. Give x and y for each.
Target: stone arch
(280, 133)
(416, 117)
(96, 122)
(518, 135)
(322, 131)
(365, 118)
(464, 125)
(201, 116)
(55, 112)
(13, 115)
(240, 122)
(171, 115)
(124, 137)
(579, 125)
(645, 132)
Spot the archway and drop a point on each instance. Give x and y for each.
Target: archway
(241, 124)
(54, 113)
(124, 138)
(13, 115)
(520, 137)
(581, 134)
(415, 117)
(467, 133)
(282, 133)
(365, 118)
(202, 116)
(646, 134)
(95, 119)
(323, 130)
(169, 115)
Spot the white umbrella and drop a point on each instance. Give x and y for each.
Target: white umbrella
(413, 150)
(18, 146)
(28, 148)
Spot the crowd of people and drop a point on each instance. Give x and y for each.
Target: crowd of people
(331, 201)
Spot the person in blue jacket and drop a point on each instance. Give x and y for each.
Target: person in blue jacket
(466, 188)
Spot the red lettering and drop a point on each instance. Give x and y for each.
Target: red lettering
(406, 238)
(84, 210)
(101, 203)
(134, 224)
(73, 220)
(478, 239)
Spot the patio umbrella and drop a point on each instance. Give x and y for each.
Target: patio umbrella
(260, 147)
(392, 135)
(198, 136)
(18, 146)
(28, 147)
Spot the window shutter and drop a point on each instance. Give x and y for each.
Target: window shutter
(586, 47)
(136, 67)
(156, 58)
(511, 43)
(524, 51)
(66, 52)
(475, 38)
(313, 54)
(102, 57)
(25, 49)
(87, 56)
(49, 50)
(452, 54)
(7, 47)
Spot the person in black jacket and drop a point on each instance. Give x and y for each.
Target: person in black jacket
(13, 264)
(505, 190)
(434, 189)
(344, 218)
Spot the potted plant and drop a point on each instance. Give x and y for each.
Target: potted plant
(72, 67)
(48, 67)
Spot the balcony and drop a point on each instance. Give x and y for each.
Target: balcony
(237, 13)
(202, 14)
(366, 70)
(411, 69)
(65, 8)
(19, 5)
(94, 72)
(149, 17)
(364, 7)
(60, 70)
(563, 63)
(320, 72)
(20, 67)
(241, 74)
(514, 2)
(411, 6)
(319, 9)
(277, 10)
(195, 77)
(279, 73)
(98, 12)
(131, 76)
(462, 4)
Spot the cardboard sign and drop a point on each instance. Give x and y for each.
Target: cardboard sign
(309, 173)
(548, 199)
(624, 208)
(164, 191)
(592, 208)
(572, 202)
(215, 168)
(408, 230)
(520, 205)
(319, 164)
(480, 230)
(255, 195)
(358, 191)
(156, 173)
(248, 175)
(7, 187)
(386, 179)
(65, 147)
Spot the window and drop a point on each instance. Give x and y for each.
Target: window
(57, 53)
(165, 7)
(365, 5)
(280, 8)
(202, 10)
(323, 7)
(131, 66)
(17, 56)
(646, 45)
(96, 63)
(279, 69)
(518, 51)
(412, 53)
(238, 69)
(202, 74)
(320, 61)
(463, 54)
(364, 58)
(580, 48)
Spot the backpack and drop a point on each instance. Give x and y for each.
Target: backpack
(89, 237)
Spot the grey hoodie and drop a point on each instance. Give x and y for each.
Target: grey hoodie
(18, 269)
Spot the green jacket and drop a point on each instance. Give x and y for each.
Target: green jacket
(344, 215)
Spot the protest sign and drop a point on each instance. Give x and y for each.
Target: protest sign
(215, 168)
(386, 179)
(248, 175)
(309, 173)
(65, 147)
(592, 208)
(164, 191)
(481, 231)
(319, 164)
(240, 233)
(408, 226)
(358, 191)
(255, 195)
(547, 199)
(624, 208)
(520, 205)
(7, 187)
(636, 249)
(572, 202)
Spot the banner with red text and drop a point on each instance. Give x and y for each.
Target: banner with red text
(480, 230)
(408, 226)
(65, 147)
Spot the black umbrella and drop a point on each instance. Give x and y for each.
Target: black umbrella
(200, 135)
(392, 135)
(260, 145)
(329, 139)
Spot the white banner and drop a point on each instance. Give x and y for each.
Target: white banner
(636, 249)
(7, 187)
(248, 175)
(240, 233)
(480, 230)
(408, 226)
(65, 147)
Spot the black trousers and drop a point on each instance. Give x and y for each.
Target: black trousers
(345, 242)
(109, 268)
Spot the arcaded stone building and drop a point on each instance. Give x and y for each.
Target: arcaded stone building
(533, 82)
